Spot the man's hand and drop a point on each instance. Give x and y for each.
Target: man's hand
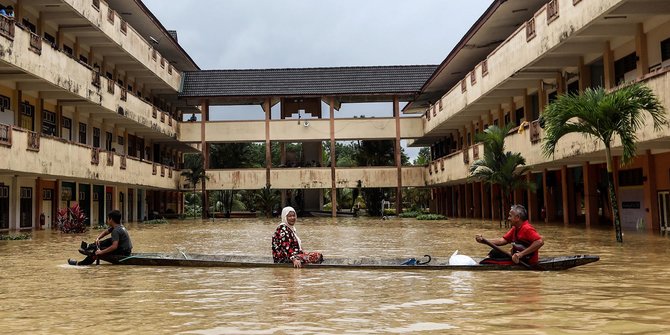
(297, 263)
(516, 258)
(479, 238)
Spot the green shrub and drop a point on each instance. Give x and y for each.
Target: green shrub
(14, 237)
(431, 217)
(389, 211)
(409, 214)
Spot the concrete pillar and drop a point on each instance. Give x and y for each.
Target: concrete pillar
(398, 160)
(584, 75)
(512, 110)
(567, 192)
(333, 163)
(550, 210)
(533, 208)
(14, 204)
(650, 192)
(477, 199)
(486, 200)
(203, 146)
(448, 201)
(608, 62)
(469, 210)
(590, 194)
(641, 51)
(37, 199)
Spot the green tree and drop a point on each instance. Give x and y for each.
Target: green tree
(604, 116)
(195, 173)
(423, 158)
(375, 153)
(267, 199)
(500, 167)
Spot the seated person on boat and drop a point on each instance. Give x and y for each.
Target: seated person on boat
(524, 238)
(286, 245)
(118, 244)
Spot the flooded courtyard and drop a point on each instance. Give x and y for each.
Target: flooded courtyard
(625, 292)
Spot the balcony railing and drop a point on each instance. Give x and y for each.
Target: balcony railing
(530, 29)
(123, 162)
(7, 27)
(124, 27)
(485, 69)
(5, 135)
(162, 170)
(33, 141)
(124, 94)
(35, 43)
(95, 156)
(96, 4)
(552, 11)
(535, 132)
(110, 15)
(96, 79)
(442, 163)
(154, 112)
(475, 151)
(154, 169)
(466, 156)
(163, 117)
(110, 158)
(170, 172)
(110, 86)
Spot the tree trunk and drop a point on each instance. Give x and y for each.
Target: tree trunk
(613, 196)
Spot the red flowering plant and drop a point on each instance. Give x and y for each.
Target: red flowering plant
(71, 220)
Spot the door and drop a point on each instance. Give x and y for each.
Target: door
(4, 207)
(664, 210)
(47, 207)
(26, 204)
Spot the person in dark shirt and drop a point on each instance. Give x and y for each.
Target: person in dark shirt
(118, 244)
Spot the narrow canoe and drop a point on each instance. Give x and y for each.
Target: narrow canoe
(199, 260)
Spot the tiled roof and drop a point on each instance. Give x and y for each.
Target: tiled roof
(307, 81)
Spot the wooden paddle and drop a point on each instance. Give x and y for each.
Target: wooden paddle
(499, 249)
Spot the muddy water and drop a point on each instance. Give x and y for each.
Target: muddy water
(628, 291)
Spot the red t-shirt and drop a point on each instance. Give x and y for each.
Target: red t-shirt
(525, 235)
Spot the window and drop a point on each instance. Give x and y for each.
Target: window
(26, 193)
(48, 123)
(96, 137)
(49, 38)
(67, 123)
(665, 49)
(82, 133)
(47, 194)
(633, 177)
(5, 103)
(4, 192)
(83, 59)
(624, 65)
(29, 25)
(534, 106)
(508, 118)
(120, 140)
(108, 141)
(520, 114)
(68, 50)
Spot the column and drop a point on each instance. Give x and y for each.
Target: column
(477, 199)
(550, 212)
(333, 163)
(650, 196)
(608, 62)
(205, 154)
(533, 211)
(641, 51)
(37, 197)
(398, 160)
(590, 194)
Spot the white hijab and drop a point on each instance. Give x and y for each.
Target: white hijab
(284, 213)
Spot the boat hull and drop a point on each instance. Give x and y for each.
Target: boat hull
(199, 260)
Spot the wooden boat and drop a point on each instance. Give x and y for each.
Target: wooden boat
(199, 260)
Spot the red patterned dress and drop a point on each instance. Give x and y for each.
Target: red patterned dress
(286, 247)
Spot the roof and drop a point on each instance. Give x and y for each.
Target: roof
(333, 81)
(496, 24)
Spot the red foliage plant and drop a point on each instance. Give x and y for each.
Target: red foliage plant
(71, 220)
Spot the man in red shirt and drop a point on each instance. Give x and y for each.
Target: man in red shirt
(524, 238)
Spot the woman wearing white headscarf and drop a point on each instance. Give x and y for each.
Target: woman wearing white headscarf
(286, 245)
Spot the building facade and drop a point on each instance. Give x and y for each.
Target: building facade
(94, 93)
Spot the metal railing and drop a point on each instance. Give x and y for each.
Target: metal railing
(33, 141)
(7, 27)
(5, 135)
(35, 43)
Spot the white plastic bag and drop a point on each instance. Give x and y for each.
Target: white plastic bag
(457, 259)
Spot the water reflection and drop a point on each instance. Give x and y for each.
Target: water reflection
(626, 292)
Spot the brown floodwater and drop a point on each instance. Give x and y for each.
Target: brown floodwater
(627, 291)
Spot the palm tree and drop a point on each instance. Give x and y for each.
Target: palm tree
(604, 116)
(498, 167)
(195, 173)
(267, 199)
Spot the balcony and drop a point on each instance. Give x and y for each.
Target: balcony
(55, 157)
(124, 36)
(313, 178)
(7, 27)
(295, 130)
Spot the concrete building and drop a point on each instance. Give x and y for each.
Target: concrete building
(561, 46)
(94, 93)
